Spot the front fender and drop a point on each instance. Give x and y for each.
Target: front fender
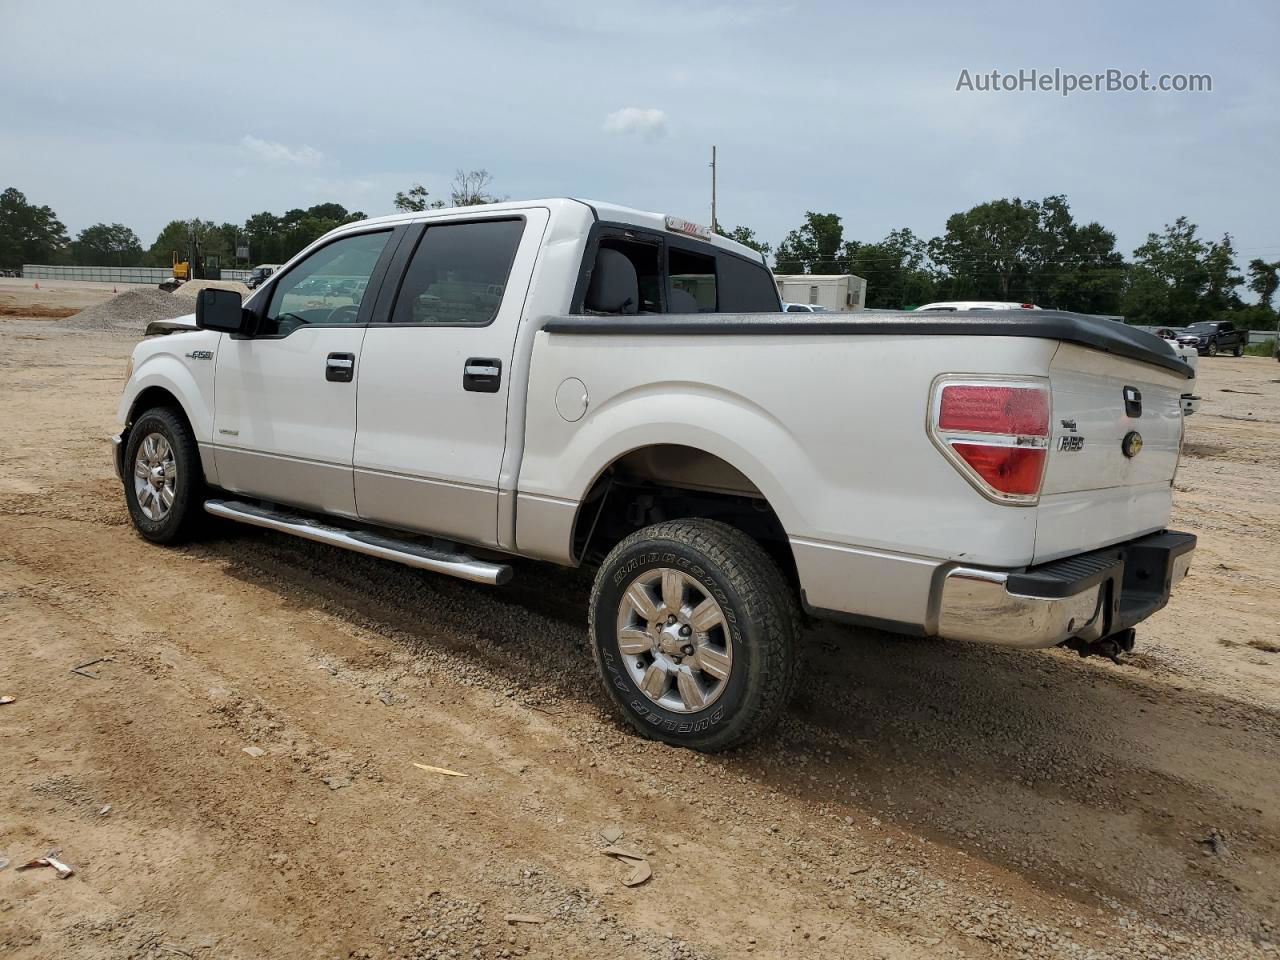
(168, 374)
(181, 365)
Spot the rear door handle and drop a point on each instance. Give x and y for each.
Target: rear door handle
(482, 375)
(340, 367)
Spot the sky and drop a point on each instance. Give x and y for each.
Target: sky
(141, 113)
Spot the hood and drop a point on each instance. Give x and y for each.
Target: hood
(176, 325)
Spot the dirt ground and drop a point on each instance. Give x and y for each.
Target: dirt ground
(921, 799)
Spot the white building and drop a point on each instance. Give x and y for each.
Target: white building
(837, 292)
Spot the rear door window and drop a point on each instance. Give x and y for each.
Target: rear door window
(458, 274)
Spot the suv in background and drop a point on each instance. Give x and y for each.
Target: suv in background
(1210, 337)
(260, 274)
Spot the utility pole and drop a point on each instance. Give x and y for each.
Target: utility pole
(713, 188)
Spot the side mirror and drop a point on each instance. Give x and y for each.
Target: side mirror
(220, 310)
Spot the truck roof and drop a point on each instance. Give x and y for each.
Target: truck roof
(602, 211)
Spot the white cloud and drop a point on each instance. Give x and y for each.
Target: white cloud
(649, 123)
(272, 152)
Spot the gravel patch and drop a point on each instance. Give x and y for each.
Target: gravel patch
(131, 311)
(193, 287)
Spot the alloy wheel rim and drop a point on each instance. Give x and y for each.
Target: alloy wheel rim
(674, 640)
(155, 476)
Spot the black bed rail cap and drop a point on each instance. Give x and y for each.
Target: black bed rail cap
(1096, 333)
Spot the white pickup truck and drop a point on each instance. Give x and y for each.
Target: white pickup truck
(592, 385)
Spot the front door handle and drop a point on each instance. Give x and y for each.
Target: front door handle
(482, 375)
(340, 367)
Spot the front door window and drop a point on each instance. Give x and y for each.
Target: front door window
(327, 287)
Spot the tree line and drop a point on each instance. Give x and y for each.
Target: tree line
(1011, 249)
(1037, 252)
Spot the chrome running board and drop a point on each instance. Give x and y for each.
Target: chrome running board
(368, 542)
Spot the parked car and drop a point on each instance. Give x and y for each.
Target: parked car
(259, 274)
(955, 306)
(1211, 337)
(531, 379)
(803, 308)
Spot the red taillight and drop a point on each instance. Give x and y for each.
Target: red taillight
(995, 433)
(1012, 470)
(994, 409)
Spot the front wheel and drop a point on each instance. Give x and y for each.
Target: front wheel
(1213, 348)
(694, 631)
(163, 479)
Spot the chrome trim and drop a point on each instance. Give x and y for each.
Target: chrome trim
(977, 606)
(371, 544)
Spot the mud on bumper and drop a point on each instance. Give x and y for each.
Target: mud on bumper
(1087, 597)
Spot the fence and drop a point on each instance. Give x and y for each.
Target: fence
(148, 275)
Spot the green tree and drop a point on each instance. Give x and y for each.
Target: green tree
(413, 200)
(1264, 279)
(896, 269)
(1033, 252)
(176, 238)
(28, 233)
(745, 236)
(107, 244)
(1178, 278)
(814, 247)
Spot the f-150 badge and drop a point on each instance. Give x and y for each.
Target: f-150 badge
(1071, 444)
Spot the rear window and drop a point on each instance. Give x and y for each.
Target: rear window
(746, 287)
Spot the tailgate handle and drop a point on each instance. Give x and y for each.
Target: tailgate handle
(1132, 402)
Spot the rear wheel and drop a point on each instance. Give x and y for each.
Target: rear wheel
(163, 484)
(694, 632)
(1238, 351)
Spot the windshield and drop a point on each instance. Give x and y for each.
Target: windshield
(1200, 327)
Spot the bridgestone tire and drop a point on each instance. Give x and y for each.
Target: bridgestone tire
(761, 618)
(183, 518)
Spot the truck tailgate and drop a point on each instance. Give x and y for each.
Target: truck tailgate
(1094, 493)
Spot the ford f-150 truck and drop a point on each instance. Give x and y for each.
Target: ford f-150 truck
(591, 385)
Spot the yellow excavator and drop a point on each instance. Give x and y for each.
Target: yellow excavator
(193, 266)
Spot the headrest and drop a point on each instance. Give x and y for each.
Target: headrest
(681, 301)
(614, 287)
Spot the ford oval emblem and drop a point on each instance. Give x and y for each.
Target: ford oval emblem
(1131, 444)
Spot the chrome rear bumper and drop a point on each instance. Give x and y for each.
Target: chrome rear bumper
(1088, 596)
(977, 606)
